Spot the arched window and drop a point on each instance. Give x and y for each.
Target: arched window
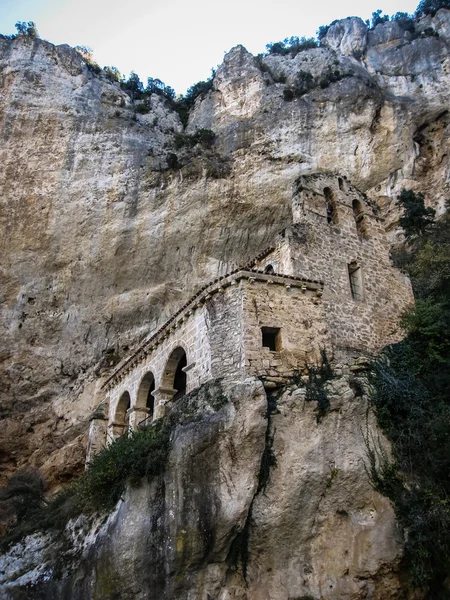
(360, 219)
(144, 398)
(121, 417)
(174, 375)
(330, 204)
(355, 278)
(341, 183)
(269, 269)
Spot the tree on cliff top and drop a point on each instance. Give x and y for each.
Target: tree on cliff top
(430, 7)
(27, 28)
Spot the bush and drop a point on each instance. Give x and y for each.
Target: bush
(113, 74)
(205, 137)
(430, 7)
(133, 85)
(184, 105)
(410, 385)
(416, 219)
(377, 18)
(172, 161)
(405, 20)
(323, 30)
(303, 83)
(332, 76)
(156, 86)
(27, 28)
(315, 388)
(24, 493)
(87, 55)
(292, 46)
(128, 459)
(137, 454)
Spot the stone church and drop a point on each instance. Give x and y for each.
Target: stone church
(326, 284)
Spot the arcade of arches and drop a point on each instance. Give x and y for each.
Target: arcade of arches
(173, 386)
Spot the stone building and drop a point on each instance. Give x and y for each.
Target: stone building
(326, 284)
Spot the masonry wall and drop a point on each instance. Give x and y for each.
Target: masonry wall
(192, 335)
(317, 249)
(224, 318)
(300, 316)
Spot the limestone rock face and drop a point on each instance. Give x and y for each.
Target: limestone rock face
(347, 37)
(209, 528)
(101, 241)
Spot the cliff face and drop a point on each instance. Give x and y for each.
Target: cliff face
(100, 241)
(98, 245)
(213, 527)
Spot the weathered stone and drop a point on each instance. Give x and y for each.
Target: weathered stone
(347, 37)
(318, 526)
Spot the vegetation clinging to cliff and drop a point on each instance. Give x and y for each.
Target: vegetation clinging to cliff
(127, 460)
(430, 7)
(410, 392)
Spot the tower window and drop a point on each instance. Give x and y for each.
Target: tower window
(360, 219)
(355, 277)
(269, 269)
(271, 338)
(330, 204)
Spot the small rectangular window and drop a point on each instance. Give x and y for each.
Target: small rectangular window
(355, 276)
(271, 338)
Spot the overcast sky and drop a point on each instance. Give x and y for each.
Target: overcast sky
(179, 41)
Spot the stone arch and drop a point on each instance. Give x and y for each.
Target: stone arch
(122, 413)
(269, 269)
(145, 400)
(330, 203)
(174, 376)
(360, 219)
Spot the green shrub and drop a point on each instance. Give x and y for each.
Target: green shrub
(144, 107)
(156, 86)
(429, 32)
(377, 18)
(315, 388)
(24, 494)
(416, 219)
(27, 28)
(292, 46)
(127, 460)
(288, 94)
(303, 83)
(137, 454)
(113, 74)
(410, 385)
(133, 86)
(172, 161)
(430, 7)
(405, 20)
(86, 53)
(204, 137)
(184, 105)
(323, 30)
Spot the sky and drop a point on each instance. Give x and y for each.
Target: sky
(179, 41)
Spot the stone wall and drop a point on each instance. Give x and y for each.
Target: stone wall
(220, 331)
(225, 316)
(299, 315)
